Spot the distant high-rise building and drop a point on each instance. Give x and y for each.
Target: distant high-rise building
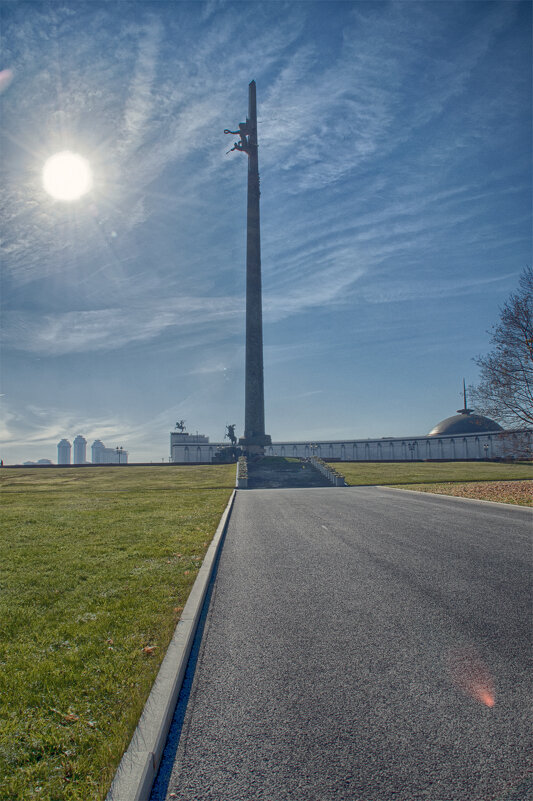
(97, 449)
(80, 450)
(103, 455)
(63, 452)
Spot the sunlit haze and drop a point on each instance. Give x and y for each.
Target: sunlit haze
(395, 165)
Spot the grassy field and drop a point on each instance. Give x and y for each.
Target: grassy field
(380, 473)
(95, 567)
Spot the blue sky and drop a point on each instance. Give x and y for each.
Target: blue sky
(395, 160)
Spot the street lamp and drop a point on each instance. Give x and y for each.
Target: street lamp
(119, 452)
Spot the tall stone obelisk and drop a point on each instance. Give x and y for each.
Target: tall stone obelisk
(254, 439)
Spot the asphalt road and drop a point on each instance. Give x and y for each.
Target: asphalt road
(364, 644)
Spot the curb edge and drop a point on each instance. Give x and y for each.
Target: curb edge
(139, 765)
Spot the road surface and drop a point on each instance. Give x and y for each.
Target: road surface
(364, 644)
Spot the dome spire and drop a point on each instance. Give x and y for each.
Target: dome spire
(465, 409)
(466, 421)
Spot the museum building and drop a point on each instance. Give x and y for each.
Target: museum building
(466, 435)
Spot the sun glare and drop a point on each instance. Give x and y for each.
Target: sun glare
(67, 176)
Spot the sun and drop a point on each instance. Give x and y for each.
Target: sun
(67, 176)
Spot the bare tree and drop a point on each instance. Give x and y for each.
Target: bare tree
(505, 390)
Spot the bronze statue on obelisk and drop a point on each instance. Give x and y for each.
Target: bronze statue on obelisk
(254, 439)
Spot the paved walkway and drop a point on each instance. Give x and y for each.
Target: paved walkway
(364, 644)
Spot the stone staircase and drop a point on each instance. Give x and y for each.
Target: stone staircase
(278, 472)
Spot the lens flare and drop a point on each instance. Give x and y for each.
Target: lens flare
(6, 76)
(471, 676)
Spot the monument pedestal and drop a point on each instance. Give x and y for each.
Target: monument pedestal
(255, 446)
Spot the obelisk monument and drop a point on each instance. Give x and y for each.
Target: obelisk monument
(254, 439)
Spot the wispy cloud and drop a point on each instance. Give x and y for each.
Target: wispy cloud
(103, 329)
(209, 368)
(399, 291)
(138, 109)
(36, 427)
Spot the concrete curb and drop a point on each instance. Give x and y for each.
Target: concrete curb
(138, 768)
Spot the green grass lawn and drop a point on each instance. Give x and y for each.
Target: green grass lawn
(379, 473)
(95, 566)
